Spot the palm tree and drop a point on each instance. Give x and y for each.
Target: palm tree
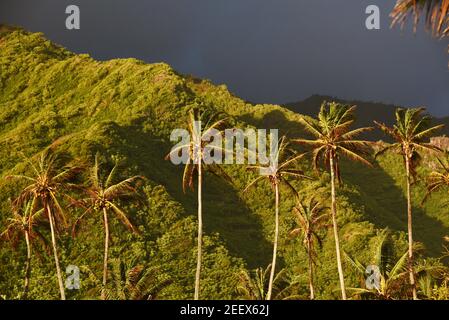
(253, 285)
(22, 224)
(102, 197)
(333, 138)
(436, 13)
(281, 168)
(201, 125)
(138, 282)
(311, 217)
(130, 281)
(48, 183)
(391, 273)
(410, 132)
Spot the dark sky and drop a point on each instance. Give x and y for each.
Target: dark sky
(272, 51)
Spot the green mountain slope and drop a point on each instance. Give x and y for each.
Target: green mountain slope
(126, 108)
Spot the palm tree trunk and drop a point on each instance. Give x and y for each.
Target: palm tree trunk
(275, 246)
(27, 266)
(334, 222)
(410, 229)
(309, 253)
(55, 253)
(200, 232)
(106, 249)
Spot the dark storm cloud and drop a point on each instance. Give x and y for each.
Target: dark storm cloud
(264, 50)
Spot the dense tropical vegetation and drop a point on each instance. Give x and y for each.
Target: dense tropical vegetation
(83, 141)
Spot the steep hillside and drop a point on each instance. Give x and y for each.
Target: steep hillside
(126, 108)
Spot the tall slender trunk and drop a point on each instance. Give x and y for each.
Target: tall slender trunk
(309, 253)
(55, 253)
(27, 266)
(334, 222)
(410, 229)
(200, 231)
(275, 245)
(106, 250)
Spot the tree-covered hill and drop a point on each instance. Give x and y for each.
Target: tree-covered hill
(126, 109)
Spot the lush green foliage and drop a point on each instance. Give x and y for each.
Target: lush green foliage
(127, 109)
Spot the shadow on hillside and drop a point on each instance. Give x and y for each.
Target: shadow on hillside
(224, 211)
(386, 206)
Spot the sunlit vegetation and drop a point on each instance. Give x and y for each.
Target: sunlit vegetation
(83, 182)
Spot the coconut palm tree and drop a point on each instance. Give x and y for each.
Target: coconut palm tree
(49, 182)
(333, 138)
(253, 285)
(136, 282)
(435, 12)
(129, 280)
(22, 224)
(201, 126)
(391, 273)
(102, 196)
(282, 167)
(311, 217)
(410, 133)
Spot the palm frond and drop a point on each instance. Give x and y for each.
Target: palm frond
(122, 188)
(253, 183)
(122, 216)
(354, 156)
(435, 13)
(311, 126)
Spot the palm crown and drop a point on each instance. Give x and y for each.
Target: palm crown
(410, 134)
(280, 169)
(47, 183)
(201, 125)
(311, 216)
(103, 193)
(334, 137)
(24, 219)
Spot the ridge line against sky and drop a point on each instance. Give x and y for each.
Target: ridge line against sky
(265, 51)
